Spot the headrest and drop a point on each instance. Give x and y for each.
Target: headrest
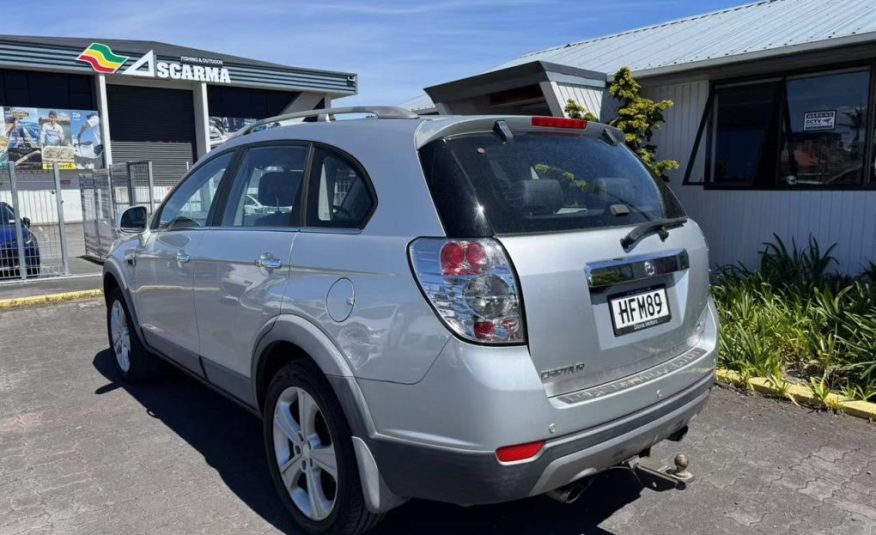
(542, 196)
(279, 188)
(615, 188)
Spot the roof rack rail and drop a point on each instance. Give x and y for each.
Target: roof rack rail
(381, 112)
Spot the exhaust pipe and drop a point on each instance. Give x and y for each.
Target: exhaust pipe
(570, 493)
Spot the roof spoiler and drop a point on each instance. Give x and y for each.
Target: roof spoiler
(326, 114)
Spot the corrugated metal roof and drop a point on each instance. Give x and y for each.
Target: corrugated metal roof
(758, 28)
(419, 104)
(141, 47)
(61, 53)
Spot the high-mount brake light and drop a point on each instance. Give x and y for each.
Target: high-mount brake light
(559, 122)
(472, 287)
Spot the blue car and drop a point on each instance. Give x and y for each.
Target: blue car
(9, 261)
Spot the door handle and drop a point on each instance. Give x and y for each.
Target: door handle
(267, 261)
(182, 257)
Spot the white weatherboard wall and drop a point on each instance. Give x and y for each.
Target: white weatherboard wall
(40, 205)
(736, 223)
(589, 97)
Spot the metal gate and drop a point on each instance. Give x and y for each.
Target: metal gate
(33, 239)
(107, 193)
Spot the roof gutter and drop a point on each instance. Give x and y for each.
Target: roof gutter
(815, 46)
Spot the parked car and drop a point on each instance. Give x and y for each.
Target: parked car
(9, 254)
(464, 309)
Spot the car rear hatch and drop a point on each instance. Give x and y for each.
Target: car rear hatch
(614, 278)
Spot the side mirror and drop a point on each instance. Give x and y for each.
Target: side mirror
(25, 221)
(132, 219)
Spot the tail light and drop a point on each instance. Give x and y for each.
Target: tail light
(472, 287)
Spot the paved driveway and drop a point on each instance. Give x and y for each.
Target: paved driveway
(80, 453)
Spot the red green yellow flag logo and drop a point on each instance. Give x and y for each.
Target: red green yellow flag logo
(101, 58)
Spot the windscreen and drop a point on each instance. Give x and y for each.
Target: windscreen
(7, 216)
(540, 182)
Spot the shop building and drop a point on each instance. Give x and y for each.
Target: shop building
(773, 122)
(115, 101)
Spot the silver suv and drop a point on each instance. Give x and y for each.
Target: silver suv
(463, 309)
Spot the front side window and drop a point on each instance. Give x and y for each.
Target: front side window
(265, 190)
(189, 206)
(340, 196)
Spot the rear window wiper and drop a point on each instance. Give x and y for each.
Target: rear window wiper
(660, 226)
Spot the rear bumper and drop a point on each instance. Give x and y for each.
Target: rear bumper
(471, 478)
(436, 439)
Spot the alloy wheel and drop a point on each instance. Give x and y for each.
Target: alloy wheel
(305, 453)
(121, 337)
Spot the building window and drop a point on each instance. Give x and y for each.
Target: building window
(746, 139)
(793, 132)
(827, 116)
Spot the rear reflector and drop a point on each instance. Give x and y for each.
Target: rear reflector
(520, 452)
(559, 122)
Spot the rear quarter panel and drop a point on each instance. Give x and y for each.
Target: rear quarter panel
(391, 334)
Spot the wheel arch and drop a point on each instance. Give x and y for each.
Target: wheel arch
(290, 337)
(113, 279)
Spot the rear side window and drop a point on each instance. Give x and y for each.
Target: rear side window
(339, 195)
(540, 182)
(265, 190)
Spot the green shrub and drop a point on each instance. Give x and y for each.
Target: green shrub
(795, 317)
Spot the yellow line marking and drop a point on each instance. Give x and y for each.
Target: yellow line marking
(49, 299)
(801, 394)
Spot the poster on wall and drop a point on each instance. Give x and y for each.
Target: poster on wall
(4, 142)
(38, 138)
(223, 128)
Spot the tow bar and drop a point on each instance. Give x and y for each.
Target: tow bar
(659, 477)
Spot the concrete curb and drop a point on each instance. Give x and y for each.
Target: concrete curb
(20, 302)
(801, 395)
(798, 394)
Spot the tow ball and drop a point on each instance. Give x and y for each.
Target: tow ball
(657, 477)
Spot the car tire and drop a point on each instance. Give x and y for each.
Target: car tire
(336, 503)
(134, 363)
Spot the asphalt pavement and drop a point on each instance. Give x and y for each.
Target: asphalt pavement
(82, 453)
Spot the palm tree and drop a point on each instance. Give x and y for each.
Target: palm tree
(857, 119)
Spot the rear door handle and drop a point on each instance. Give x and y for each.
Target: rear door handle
(267, 261)
(182, 257)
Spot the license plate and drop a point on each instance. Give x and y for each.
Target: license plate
(639, 310)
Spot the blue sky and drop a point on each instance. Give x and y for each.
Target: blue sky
(396, 46)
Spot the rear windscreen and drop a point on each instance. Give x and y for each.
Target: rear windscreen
(540, 182)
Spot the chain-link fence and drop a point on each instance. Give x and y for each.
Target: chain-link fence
(33, 240)
(51, 219)
(108, 192)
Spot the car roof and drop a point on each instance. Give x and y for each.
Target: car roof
(422, 129)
